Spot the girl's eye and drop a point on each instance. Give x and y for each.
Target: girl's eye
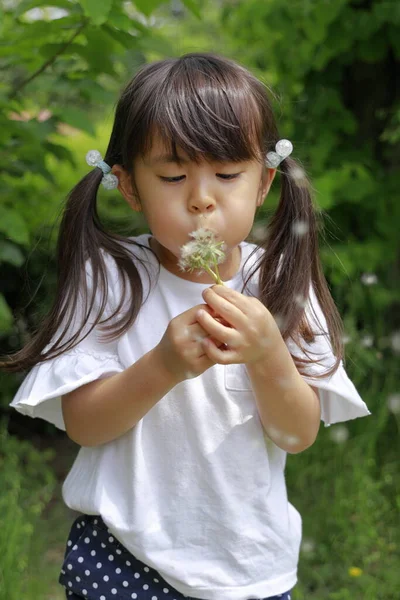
(181, 177)
(172, 179)
(225, 176)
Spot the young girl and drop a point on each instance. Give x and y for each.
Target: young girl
(185, 411)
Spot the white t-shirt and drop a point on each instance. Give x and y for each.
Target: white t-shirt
(195, 490)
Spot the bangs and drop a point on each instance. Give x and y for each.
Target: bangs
(207, 109)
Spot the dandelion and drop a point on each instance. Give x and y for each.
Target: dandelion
(203, 253)
(355, 572)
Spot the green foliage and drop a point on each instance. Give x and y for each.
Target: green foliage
(332, 66)
(26, 484)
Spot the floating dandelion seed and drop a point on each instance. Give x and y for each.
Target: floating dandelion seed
(395, 341)
(369, 279)
(300, 227)
(280, 321)
(394, 403)
(339, 434)
(301, 300)
(203, 253)
(258, 233)
(367, 341)
(299, 176)
(189, 375)
(307, 546)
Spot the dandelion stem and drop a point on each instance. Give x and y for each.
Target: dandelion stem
(215, 276)
(219, 280)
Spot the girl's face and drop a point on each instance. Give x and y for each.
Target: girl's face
(177, 199)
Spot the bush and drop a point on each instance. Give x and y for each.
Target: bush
(26, 486)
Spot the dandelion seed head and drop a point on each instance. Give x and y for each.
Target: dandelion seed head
(202, 251)
(346, 339)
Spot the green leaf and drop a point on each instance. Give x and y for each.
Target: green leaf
(77, 118)
(97, 11)
(147, 6)
(122, 37)
(193, 6)
(13, 226)
(6, 316)
(10, 253)
(60, 152)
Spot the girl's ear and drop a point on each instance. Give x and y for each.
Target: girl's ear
(267, 179)
(126, 188)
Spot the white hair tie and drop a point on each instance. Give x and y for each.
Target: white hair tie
(283, 149)
(94, 159)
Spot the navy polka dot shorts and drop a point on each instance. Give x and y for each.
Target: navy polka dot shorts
(98, 567)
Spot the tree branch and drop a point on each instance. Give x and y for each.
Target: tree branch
(49, 62)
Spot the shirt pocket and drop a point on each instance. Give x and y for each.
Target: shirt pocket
(237, 379)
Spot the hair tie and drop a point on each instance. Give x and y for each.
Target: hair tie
(94, 159)
(283, 149)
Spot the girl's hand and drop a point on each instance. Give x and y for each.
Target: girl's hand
(249, 332)
(181, 348)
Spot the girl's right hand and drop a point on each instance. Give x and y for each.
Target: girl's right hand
(180, 349)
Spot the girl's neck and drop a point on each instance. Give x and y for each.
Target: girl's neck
(227, 269)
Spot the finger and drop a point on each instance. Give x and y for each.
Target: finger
(218, 355)
(236, 298)
(225, 308)
(225, 335)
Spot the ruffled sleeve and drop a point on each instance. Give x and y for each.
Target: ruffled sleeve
(39, 395)
(340, 400)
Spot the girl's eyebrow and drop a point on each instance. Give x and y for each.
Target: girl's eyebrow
(167, 158)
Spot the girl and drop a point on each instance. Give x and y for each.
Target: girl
(185, 396)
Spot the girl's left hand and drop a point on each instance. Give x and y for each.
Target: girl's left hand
(250, 331)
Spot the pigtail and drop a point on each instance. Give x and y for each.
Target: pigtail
(81, 240)
(291, 262)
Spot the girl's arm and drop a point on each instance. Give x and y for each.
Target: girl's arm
(105, 409)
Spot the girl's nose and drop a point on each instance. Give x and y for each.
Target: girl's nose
(203, 204)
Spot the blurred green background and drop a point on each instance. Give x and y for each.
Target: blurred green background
(333, 67)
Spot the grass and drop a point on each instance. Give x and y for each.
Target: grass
(348, 493)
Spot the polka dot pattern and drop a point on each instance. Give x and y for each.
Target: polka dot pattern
(98, 567)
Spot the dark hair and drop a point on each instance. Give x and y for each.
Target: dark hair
(212, 108)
